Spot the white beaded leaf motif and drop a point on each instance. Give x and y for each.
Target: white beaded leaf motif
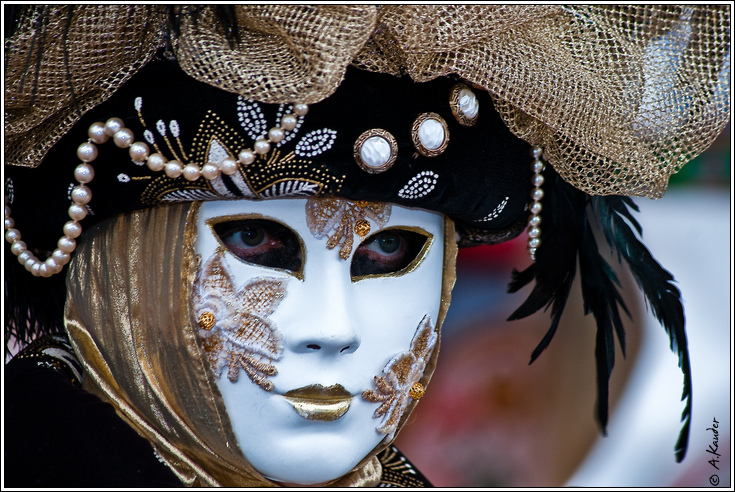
(161, 127)
(251, 118)
(316, 142)
(9, 190)
(496, 211)
(419, 186)
(174, 126)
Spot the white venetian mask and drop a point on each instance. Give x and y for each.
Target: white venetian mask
(317, 316)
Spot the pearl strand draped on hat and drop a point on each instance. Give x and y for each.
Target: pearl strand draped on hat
(81, 195)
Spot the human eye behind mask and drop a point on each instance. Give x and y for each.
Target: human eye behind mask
(393, 252)
(262, 242)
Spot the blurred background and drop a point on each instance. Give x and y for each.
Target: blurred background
(491, 419)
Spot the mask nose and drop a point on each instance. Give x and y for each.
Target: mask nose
(329, 328)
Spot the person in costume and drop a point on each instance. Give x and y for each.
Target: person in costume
(236, 226)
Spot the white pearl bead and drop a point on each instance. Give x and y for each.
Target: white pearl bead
(300, 109)
(156, 162)
(228, 166)
(30, 262)
(288, 122)
(534, 220)
(60, 257)
(262, 146)
(81, 195)
(534, 232)
(77, 212)
(18, 247)
(36, 269)
(113, 125)
(84, 173)
(191, 172)
(276, 134)
(537, 194)
(66, 244)
(12, 235)
(123, 138)
(97, 133)
(537, 166)
(537, 179)
(139, 151)
(72, 229)
(210, 171)
(534, 243)
(44, 271)
(7, 210)
(536, 152)
(55, 268)
(246, 157)
(173, 169)
(24, 256)
(535, 208)
(9, 223)
(87, 152)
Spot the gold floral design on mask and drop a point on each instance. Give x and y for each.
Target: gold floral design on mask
(242, 336)
(393, 390)
(341, 219)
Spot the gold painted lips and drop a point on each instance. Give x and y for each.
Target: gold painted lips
(316, 402)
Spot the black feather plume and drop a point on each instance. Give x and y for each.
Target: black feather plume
(568, 238)
(663, 298)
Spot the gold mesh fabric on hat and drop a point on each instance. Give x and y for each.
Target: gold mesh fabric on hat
(286, 53)
(63, 61)
(619, 96)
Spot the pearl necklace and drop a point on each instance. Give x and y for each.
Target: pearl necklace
(534, 220)
(123, 138)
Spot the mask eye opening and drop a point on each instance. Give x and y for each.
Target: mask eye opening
(260, 241)
(415, 241)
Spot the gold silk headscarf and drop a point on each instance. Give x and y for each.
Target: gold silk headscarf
(129, 320)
